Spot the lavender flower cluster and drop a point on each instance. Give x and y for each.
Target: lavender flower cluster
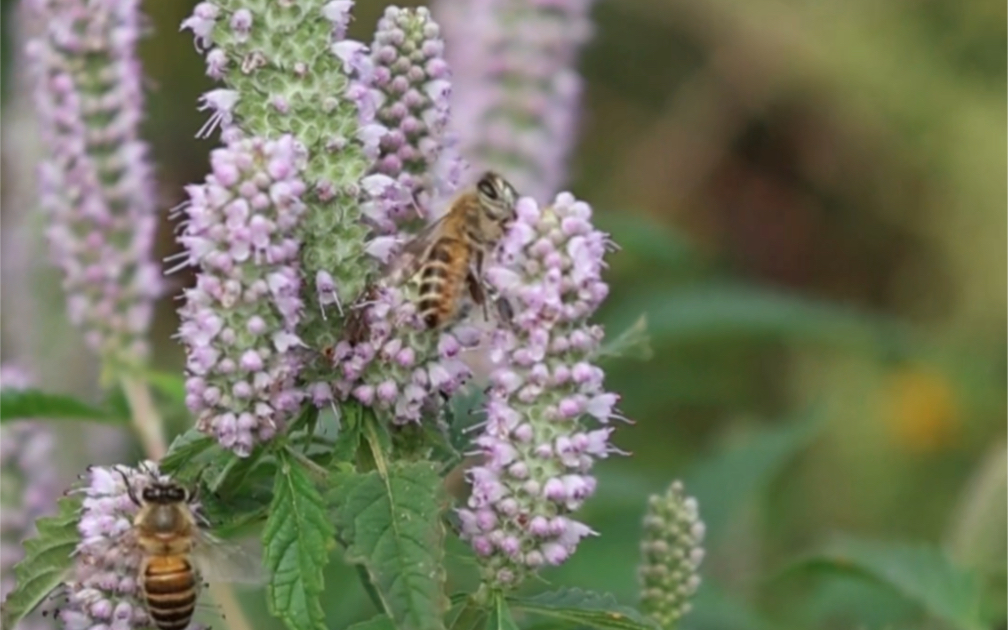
(315, 84)
(239, 321)
(402, 369)
(29, 489)
(538, 449)
(330, 152)
(415, 83)
(96, 182)
(515, 88)
(671, 554)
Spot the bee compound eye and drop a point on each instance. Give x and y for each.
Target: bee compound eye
(486, 187)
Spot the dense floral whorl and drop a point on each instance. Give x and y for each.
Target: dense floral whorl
(538, 450)
(96, 183)
(414, 80)
(239, 321)
(288, 67)
(402, 369)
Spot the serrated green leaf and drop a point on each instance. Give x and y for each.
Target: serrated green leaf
(29, 404)
(500, 615)
(48, 558)
(347, 443)
(392, 526)
(295, 547)
(576, 606)
(184, 450)
(632, 343)
(920, 573)
(378, 622)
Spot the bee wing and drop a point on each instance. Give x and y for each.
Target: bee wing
(408, 261)
(220, 561)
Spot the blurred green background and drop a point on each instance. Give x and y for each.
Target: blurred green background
(810, 199)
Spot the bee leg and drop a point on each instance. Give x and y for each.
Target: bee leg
(129, 488)
(504, 310)
(477, 293)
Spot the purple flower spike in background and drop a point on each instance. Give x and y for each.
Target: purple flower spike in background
(547, 411)
(29, 490)
(414, 79)
(515, 89)
(95, 182)
(239, 321)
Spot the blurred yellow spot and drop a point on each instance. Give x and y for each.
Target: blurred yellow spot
(920, 408)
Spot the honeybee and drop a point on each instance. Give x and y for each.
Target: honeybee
(448, 256)
(170, 534)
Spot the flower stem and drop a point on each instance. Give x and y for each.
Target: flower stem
(150, 429)
(146, 419)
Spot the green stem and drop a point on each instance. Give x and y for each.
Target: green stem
(375, 444)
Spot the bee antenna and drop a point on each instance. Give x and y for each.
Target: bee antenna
(129, 488)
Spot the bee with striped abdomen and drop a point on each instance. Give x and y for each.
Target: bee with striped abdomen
(448, 257)
(173, 541)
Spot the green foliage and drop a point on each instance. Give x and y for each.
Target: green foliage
(500, 615)
(573, 606)
(296, 542)
(378, 622)
(723, 311)
(722, 484)
(643, 238)
(715, 609)
(632, 343)
(48, 558)
(467, 614)
(920, 573)
(171, 385)
(187, 450)
(390, 521)
(29, 404)
(349, 438)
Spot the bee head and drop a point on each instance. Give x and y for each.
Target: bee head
(497, 197)
(164, 492)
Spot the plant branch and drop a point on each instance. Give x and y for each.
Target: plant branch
(146, 419)
(150, 428)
